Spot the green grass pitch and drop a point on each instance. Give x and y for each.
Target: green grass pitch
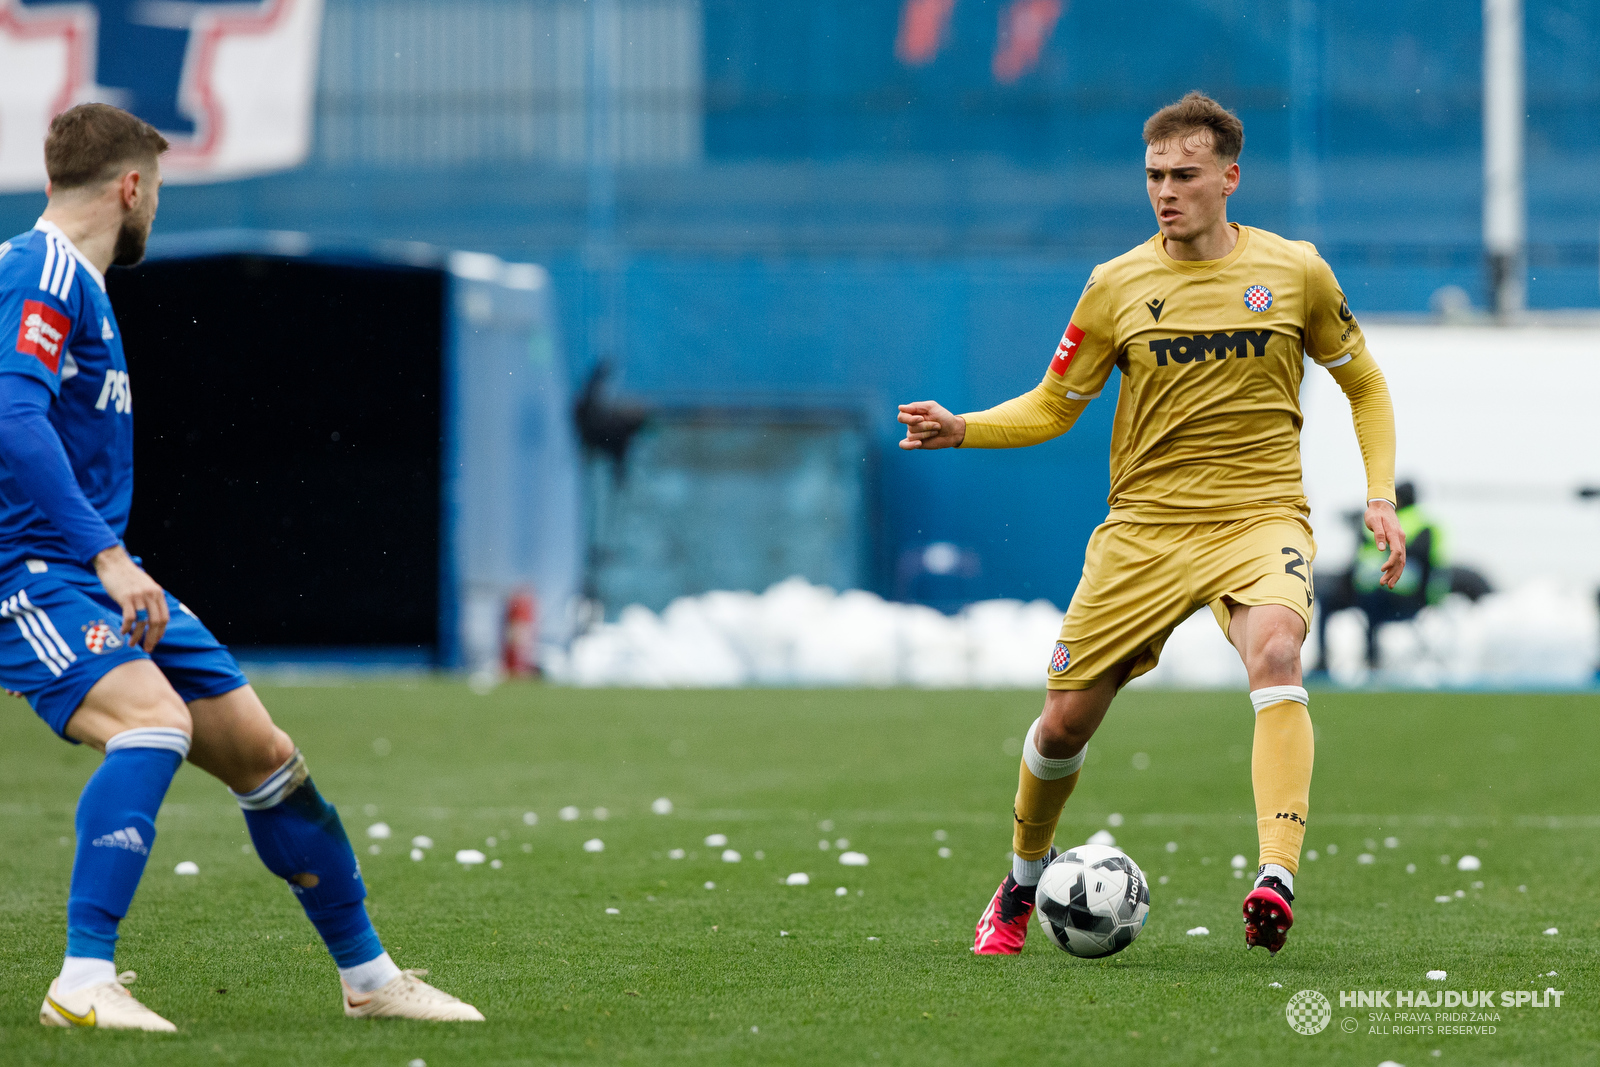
(880, 974)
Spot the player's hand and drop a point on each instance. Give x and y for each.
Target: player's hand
(929, 425)
(1385, 526)
(143, 602)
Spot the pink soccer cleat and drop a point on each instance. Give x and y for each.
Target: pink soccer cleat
(1003, 926)
(1267, 917)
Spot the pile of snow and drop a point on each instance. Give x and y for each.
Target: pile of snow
(798, 634)
(1537, 634)
(801, 634)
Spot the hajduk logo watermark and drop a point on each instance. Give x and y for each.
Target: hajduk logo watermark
(1425, 1012)
(1308, 1012)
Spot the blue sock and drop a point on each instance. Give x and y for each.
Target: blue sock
(299, 837)
(116, 825)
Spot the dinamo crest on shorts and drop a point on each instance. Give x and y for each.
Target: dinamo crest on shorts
(1258, 298)
(97, 637)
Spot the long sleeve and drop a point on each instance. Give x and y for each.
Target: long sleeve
(32, 453)
(1373, 415)
(1029, 419)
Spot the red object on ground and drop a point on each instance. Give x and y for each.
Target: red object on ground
(521, 653)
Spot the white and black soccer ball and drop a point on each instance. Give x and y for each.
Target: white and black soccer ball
(1092, 901)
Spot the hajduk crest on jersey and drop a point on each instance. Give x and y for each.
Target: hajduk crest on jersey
(1258, 298)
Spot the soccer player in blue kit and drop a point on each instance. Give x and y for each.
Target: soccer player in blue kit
(106, 656)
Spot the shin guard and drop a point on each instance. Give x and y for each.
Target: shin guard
(1043, 786)
(299, 837)
(116, 824)
(1280, 770)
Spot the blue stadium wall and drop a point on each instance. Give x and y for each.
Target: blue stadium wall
(800, 216)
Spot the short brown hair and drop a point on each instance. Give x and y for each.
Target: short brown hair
(89, 143)
(1195, 112)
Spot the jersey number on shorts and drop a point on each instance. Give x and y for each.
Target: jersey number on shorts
(1293, 567)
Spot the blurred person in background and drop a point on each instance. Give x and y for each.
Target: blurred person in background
(1427, 579)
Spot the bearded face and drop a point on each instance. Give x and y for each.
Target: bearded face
(136, 224)
(131, 238)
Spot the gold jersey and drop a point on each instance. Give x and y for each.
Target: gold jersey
(1207, 426)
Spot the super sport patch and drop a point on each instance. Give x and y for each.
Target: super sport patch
(43, 334)
(1066, 349)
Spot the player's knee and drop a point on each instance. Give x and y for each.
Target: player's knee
(1060, 734)
(1278, 655)
(276, 751)
(155, 708)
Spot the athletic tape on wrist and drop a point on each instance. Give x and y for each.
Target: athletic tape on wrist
(166, 737)
(1277, 694)
(1045, 769)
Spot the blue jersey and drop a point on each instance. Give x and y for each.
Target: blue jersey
(56, 326)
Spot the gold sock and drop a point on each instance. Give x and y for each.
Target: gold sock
(1280, 770)
(1037, 810)
(1039, 801)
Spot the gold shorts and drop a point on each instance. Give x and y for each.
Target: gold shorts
(1140, 580)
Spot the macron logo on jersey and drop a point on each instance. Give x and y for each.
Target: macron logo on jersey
(1066, 349)
(43, 333)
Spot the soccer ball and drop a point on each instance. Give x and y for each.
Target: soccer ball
(1093, 901)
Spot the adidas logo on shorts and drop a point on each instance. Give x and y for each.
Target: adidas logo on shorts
(128, 839)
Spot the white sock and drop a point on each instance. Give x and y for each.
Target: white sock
(1027, 872)
(1272, 870)
(371, 976)
(81, 972)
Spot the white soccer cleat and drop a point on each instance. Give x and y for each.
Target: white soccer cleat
(107, 1006)
(409, 997)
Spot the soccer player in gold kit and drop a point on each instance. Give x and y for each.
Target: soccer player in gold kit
(1209, 323)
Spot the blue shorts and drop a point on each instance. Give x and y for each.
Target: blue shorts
(60, 634)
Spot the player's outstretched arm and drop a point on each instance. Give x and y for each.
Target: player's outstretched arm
(930, 425)
(1029, 419)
